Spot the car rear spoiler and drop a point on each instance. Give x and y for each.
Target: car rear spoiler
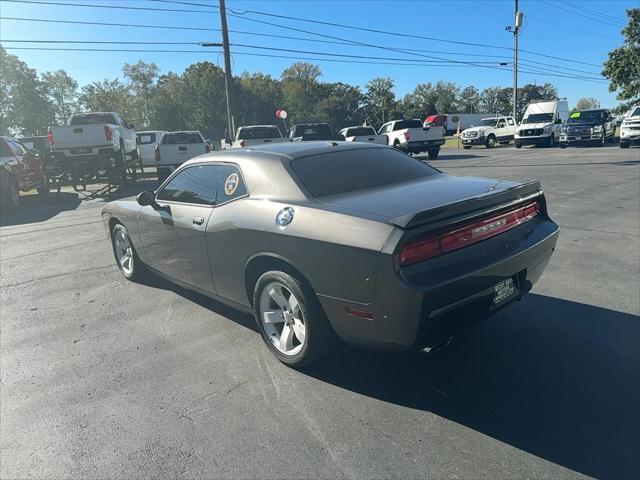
(470, 206)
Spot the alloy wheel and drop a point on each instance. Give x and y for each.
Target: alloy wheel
(282, 318)
(124, 252)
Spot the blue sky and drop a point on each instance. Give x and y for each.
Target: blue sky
(577, 30)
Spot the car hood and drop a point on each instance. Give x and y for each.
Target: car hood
(584, 124)
(476, 129)
(398, 203)
(531, 126)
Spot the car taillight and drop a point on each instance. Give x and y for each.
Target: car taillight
(431, 245)
(50, 138)
(406, 135)
(156, 153)
(108, 135)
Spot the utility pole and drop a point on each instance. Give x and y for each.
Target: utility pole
(516, 28)
(227, 66)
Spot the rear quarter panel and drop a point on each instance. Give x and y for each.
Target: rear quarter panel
(338, 254)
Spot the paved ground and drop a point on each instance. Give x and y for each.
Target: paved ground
(105, 378)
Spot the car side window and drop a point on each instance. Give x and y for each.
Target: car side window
(385, 128)
(510, 121)
(501, 124)
(195, 184)
(17, 148)
(230, 184)
(5, 150)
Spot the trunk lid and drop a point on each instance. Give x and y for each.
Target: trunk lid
(432, 199)
(78, 136)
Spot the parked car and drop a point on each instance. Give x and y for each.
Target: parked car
(175, 148)
(100, 139)
(147, 141)
(489, 132)
(588, 126)
(542, 123)
(411, 136)
(20, 171)
(323, 240)
(251, 135)
(630, 128)
(362, 134)
(307, 132)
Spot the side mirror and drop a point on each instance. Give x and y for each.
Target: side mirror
(131, 126)
(147, 197)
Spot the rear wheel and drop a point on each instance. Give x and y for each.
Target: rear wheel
(291, 320)
(490, 142)
(624, 144)
(43, 190)
(603, 139)
(518, 145)
(467, 147)
(433, 154)
(9, 195)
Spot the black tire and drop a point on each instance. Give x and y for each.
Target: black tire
(624, 145)
(490, 142)
(518, 145)
(433, 154)
(396, 145)
(603, 139)
(552, 141)
(563, 144)
(137, 270)
(320, 338)
(135, 155)
(43, 190)
(466, 147)
(9, 194)
(505, 143)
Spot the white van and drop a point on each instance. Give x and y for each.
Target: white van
(541, 123)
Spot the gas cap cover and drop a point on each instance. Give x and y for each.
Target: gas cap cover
(284, 217)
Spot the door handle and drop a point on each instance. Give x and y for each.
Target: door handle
(198, 220)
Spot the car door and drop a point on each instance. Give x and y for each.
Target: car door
(173, 231)
(501, 129)
(511, 128)
(22, 167)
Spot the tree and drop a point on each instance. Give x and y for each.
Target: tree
(421, 102)
(623, 66)
(24, 106)
(340, 106)
(300, 91)
(166, 104)
(107, 96)
(259, 97)
(529, 93)
(142, 77)
(379, 100)
(490, 100)
(469, 100)
(446, 96)
(587, 103)
(62, 91)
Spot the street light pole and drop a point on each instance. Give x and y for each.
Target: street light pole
(227, 66)
(517, 24)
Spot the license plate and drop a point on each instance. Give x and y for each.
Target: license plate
(504, 291)
(578, 138)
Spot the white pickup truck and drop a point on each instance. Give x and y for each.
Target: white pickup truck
(411, 137)
(488, 132)
(99, 139)
(362, 134)
(175, 148)
(257, 135)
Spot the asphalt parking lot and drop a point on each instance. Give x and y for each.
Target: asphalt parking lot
(103, 378)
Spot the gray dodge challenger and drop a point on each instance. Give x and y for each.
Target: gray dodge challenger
(333, 240)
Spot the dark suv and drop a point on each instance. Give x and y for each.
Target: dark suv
(588, 127)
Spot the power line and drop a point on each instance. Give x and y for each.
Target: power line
(594, 12)
(119, 7)
(576, 11)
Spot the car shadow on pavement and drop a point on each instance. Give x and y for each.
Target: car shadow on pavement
(555, 378)
(35, 208)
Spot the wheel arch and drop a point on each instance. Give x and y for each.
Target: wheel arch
(263, 262)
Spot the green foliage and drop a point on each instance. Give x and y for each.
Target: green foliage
(623, 66)
(108, 96)
(586, 103)
(142, 77)
(379, 100)
(62, 92)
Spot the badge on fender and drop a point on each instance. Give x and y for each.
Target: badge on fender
(231, 184)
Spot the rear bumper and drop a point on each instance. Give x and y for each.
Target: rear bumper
(423, 146)
(419, 307)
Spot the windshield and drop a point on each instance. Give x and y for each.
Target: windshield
(342, 172)
(634, 112)
(181, 138)
(360, 132)
(258, 133)
(402, 124)
(317, 131)
(92, 119)
(487, 122)
(587, 116)
(538, 118)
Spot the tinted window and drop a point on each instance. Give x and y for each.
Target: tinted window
(17, 147)
(539, 118)
(230, 185)
(635, 112)
(402, 124)
(347, 171)
(510, 120)
(385, 128)
(92, 119)
(315, 131)
(5, 151)
(192, 185)
(181, 138)
(146, 138)
(258, 133)
(360, 132)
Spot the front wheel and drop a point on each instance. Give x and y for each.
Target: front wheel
(552, 141)
(490, 142)
(125, 253)
(563, 144)
(9, 195)
(603, 139)
(624, 145)
(291, 320)
(433, 154)
(518, 145)
(467, 147)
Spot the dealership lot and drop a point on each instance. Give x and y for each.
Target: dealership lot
(105, 378)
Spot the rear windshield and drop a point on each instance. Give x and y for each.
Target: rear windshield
(258, 133)
(181, 138)
(402, 124)
(360, 132)
(92, 119)
(318, 131)
(146, 138)
(347, 171)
